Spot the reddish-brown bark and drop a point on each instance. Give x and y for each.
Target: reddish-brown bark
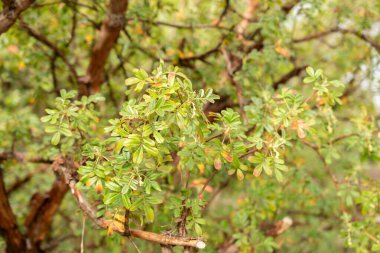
(69, 174)
(109, 32)
(43, 207)
(8, 225)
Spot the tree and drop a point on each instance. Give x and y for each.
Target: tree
(242, 126)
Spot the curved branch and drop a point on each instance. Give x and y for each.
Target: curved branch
(11, 12)
(322, 158)
(86, 207)
(8, 225)
(109, 33)
(294, 72)
(43, 207)
(356, 33)
(41, 38)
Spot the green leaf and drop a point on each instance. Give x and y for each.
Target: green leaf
(198, 229)
(279, 175)
(267, 168)
(113, 186)
(111, 198)
(141, 74)
(310, 71)
(308, 79)
(66, 132)
(201, 221)
(156, 186)
(375, 247)
(138, 155)
(132, 141)
(151, 150)
(158, 137)
(154, 200)
(56, 138)
(46, 118)
(131, 81)
(149, 213)
(135, 205)
(239, 174)
(51, 129)
(318, 73)
(147, 130)
(126, 201)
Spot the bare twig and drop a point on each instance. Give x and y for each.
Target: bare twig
(239, 90)
(356, 33)
(321, 157)
(22, 181)
(224, 12)
(41, 38)
(207, 182)
(342, 137)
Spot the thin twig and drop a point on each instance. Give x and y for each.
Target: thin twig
(134, 244)
(145, 235)
(207, 182)
(82, 238)
(327, 166)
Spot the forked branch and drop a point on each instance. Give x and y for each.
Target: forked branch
(102, 223)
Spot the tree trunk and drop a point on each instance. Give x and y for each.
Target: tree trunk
(109, 32)
(8, 226)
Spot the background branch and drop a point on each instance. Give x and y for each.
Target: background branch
(11, 11)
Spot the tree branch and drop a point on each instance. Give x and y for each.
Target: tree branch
(71, 180)
(20, 182)
(248, 15)
(23, 157)
(41, 38)
(358, 34)
(239, 91)
(326, 165)
(294, 72)
(224, 12)
(109, 33)
(8, 226)
(11, 12)
(43, 208)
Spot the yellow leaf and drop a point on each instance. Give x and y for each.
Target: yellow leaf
(110, 230)
(88, 38)
(201, 168)
(281, 50)
(21, 66)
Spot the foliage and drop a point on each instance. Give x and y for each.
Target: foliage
(224, 146)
